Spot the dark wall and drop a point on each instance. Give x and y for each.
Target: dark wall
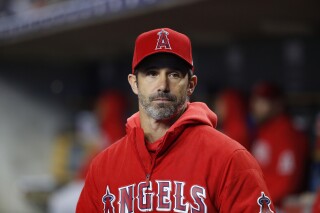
(293, 63)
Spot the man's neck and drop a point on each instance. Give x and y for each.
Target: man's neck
(153, 129)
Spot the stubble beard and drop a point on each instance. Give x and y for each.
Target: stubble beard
(163, 111)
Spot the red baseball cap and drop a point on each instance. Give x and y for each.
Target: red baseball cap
(267, 90)
(162, 40)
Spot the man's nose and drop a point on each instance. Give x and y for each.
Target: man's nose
(163, 83)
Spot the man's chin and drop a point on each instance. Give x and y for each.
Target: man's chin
(161, 113)
(162, 105)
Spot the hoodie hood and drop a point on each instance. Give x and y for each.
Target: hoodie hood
(197, 113)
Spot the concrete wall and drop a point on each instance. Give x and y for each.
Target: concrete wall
(27, 129)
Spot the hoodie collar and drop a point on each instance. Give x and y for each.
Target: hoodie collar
(197, 113)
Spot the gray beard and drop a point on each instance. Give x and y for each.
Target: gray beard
(162, 111)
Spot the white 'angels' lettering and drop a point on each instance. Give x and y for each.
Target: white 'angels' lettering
(126, 196)
(143, 196)
(145, 199)
(179, 206)
(198, 195)
(164, 191)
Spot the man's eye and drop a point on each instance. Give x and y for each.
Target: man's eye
(151, 73)
(175, 75)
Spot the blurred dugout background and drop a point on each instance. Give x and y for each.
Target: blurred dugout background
(58, 57)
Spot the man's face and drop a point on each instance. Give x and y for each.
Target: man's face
(162, 92)
(261, 109)
(163, 86)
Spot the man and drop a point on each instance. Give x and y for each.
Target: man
(172, 158)
(279, 148)
(232, 120)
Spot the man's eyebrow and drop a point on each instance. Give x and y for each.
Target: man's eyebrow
(170, 69)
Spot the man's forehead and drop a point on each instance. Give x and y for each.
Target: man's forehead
(163, 60)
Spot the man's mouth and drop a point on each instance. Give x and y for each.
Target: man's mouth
(161, 100)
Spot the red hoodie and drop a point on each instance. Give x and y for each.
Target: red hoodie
(195, 169)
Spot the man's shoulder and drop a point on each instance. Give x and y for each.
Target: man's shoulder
(209, 136)
(211, 143)
(219, 148)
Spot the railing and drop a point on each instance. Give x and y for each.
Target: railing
(68, 14)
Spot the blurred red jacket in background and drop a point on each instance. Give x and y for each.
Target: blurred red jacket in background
(281, 152)
(316, 205)
(233, 122)
(110, 109)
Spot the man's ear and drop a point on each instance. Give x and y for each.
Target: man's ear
(192, 84)
(132, 79)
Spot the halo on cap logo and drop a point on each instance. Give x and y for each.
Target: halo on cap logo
(163, 40)
(264, 203)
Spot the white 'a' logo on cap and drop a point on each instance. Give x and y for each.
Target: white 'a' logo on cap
(163, 40)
